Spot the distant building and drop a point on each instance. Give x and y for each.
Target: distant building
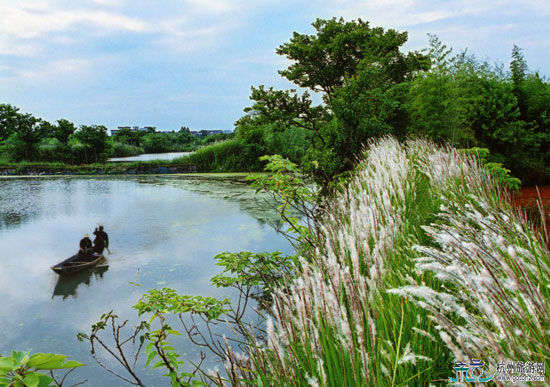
(134, 129)
(204, 133)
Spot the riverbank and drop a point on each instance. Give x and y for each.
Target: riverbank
(239, 177)
(130, 168)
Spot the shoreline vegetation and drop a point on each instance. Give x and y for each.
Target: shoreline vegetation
(241, 177)
(108, 168)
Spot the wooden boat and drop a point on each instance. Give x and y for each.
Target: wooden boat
(73, 264)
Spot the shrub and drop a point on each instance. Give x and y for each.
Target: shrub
(227, 156)
(119, 149)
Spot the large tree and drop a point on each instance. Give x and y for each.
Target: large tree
(63, 130)
(8, 120)
(325, 60)
(94, 140)
(359, 72)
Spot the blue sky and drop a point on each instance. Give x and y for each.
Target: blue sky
(192, 62)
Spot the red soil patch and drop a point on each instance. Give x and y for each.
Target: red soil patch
(527, 198)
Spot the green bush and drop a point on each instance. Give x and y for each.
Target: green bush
(227, 156)
(118, 149)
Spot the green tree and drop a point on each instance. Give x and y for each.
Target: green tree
(325, 60)
(9, 116)
(130, 137)
(360, 72)
(63, 130)
(29, 131)
(157, 143)
(184, 136)
(94, 142)
(518, 68)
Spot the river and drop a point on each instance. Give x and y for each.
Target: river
(164, 232)
(150, 157)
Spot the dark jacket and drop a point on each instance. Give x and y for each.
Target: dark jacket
(103, 235)
(99, 244)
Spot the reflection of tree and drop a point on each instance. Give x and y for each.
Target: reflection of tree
(12, 219)
(17, 200)
(66, 285)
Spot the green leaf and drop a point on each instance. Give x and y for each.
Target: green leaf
(158, 364)
(20, 357)
(49, 361)
(72, 364)
(46, 361)
(7, 362)
(151, 357)
(45, 380)
(31, 380)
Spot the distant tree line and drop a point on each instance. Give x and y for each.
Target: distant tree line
(24, 137)
(370, 87)
(128, 142)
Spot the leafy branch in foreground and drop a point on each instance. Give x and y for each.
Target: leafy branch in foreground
(297, 195)
(21, 369)
(253, 275)
(118, 352)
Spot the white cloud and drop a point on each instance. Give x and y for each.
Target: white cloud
(56, 70)
(213, 6)
(540, 6)
(22, 49)
(20, 22)
(400, 13)
(185, 37)
(26, 27)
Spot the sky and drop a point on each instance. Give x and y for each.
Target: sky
(173, 63)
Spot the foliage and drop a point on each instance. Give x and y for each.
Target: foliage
(266, 270)
(118, 149)
(8, 120)
(230, 155)
(159, 302)
(63, 130)
(242, 271)
(93, 139)
(501, 174)
(470, 104)
(22, 369)
(325, 60)
(154, 341)
(297, 196)
(156, 143)
(359, 70)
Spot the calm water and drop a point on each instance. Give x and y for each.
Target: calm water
(164, 232)
(151, 156)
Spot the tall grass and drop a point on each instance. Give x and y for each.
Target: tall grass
(495, 270)
(226, 156)
(419, 262)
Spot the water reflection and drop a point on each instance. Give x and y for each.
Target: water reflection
(67, 284)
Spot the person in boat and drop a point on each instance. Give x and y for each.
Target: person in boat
(85, 247)
(101, 234)
(99, 243)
